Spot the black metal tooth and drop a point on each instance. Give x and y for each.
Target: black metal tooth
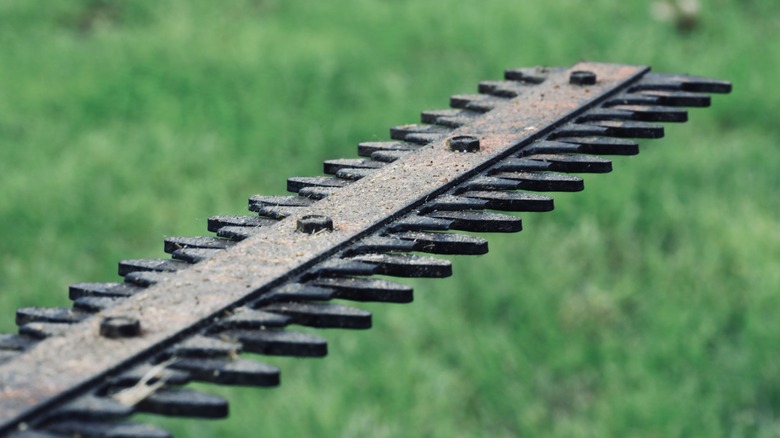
(488, 183)
(259, 203)
(575, 163)
(388, 156)
(636, 113)
(544, 181)
(150, 374)
(246, 318)
(14, 342)
(330, 167)
(508, 89)
(174, 243)
(294, 184)
(529, 75)
(294, 292)
(480, 221)
(584, 145)
(513, 164)
(456, 122)
(106, 429)
(430, 116)
(414, 222)
(366, 149)
(654, 113)
(215, 223)
(481, 103)
(203, 346)
(609, 128)
(178, 402)
(406, 265)
(94, 304)
(354, 174)
(445, 243)
(156, 265)
(42, 330)
(233, 371)
(377, 244)
(279, 201)
(26, 315)
(92, 407)
(452, 118)
(342, 267)
(323, 315)
(147, 278)
(238, 233)
(696, 84)
(276, 212)
(451, 202)
(317, 192)
(109, 290)
(276, 342)
(579, 130)
(402, 131)
(195, 359)
(195, 255)
(631, 129)
(661, 98)
(366, 289)
(422, 138)
(549, 147)
(636, 99)
(512, 201)
(679, 98)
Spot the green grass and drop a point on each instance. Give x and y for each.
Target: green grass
(645, 306)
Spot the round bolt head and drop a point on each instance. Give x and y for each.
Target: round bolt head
(314, 223)
(120, 327)
(464, 143)
(582, 77)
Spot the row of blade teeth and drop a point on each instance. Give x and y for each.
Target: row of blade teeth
(261, 326)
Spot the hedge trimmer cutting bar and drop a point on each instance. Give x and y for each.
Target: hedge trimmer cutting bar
(129, 347)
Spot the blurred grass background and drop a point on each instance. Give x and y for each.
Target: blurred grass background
(645, 306)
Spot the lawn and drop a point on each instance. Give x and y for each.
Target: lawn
(646, 305)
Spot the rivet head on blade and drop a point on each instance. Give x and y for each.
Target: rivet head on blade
(582, 77)
(120, 327)
(314, 223)
(464, 143)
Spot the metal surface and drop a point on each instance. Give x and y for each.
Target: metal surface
(219, 296)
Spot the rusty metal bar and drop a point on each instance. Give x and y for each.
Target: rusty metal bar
(436, 178)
